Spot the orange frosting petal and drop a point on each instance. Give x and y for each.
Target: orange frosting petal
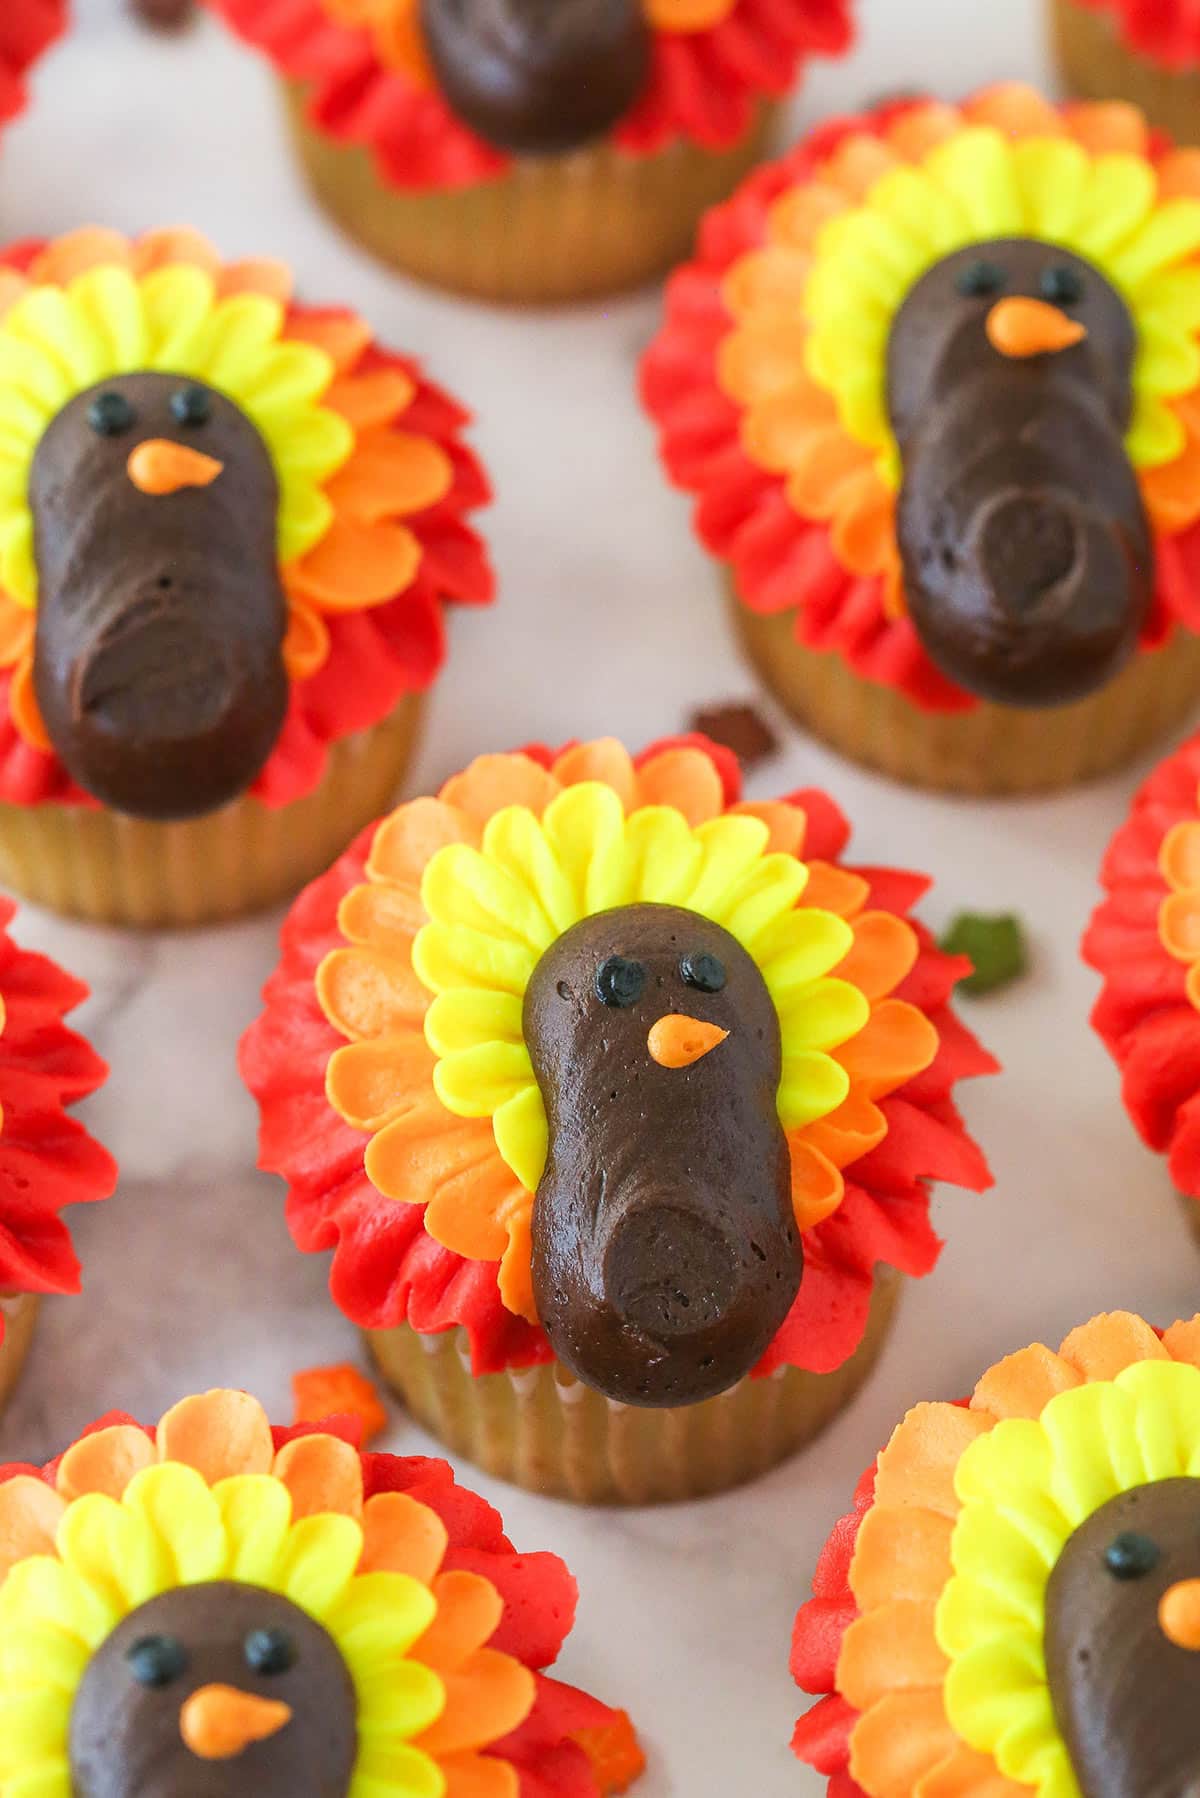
(896, 1042)
(257, 274)
(339, 1391)
(1179, 925)
(388, 916)
(918, 1465)
(365, 993)
(1018, 110)
(366, 1083)
(965, 1774)
(30, 1512)
(493, 781)
(356, 566)
(490, 1697)
(1024, 1384)
(401, 1535)
(884, 954)
(836, 889)
(604, 760)
(105, 1461)
(902, 1738)
(686, 779)
(392, 474)
(219, 1433)
(468, 1615)
(342, 335)
(516, 1263)
(892, 1649)
(365, 401)
(16, 632)
(323, 1474)
(409, 839)
(161, 249)
(1109, 127)
(306, 643)
(1179, 856)
(23, 707)
(901, 1553)
(853, 1130)
(1103, 1348)
(77, 251)
(787, 825)
(817, 1185)
(479, 1776)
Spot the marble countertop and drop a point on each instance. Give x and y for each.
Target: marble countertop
(609, 621)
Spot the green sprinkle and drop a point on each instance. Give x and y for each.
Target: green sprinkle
(994, 945)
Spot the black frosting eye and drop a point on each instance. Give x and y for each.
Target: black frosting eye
(1061, 285)
(704, 972)
(269, 1650)
(619, 981)
(110, 413)
(156, 1660)
(191, 405)
(1130, 1556)
(980, 278)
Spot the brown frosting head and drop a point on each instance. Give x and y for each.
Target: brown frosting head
(1123, 1644)
(665, 1250)
(1027, 554)
(538, 77)
(220, 1690)
(158, 661)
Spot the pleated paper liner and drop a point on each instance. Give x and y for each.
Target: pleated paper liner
(992, 750)
(555, 228)
(111, 869)
(19, 1310)
(1097, 65)
(542, 1429)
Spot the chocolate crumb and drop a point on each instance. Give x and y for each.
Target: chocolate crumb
(739, 728)
(164, 15)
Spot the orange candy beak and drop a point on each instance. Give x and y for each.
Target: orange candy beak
(1179, 1614)
(677, 1041)
(219, 1722)
(160, 466)
(1020, 327)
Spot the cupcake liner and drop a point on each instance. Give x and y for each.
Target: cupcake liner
(542, 1429)
(1097, 65)
(556, 228)
(19, 1310)
(111, 869)
(991, 750)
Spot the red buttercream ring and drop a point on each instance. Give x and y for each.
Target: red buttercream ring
(449, 1194)
(293, 506)
(955, 495)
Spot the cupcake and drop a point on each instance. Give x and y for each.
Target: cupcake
(27, 30)
(47, 1159)
(1147, 51)
(1013, 1604)
(617, 1100)
(532, 150)
(1144, 942)
(228, 525)
(221, 1608)
(934, 380)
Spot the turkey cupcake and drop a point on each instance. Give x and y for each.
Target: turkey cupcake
(934, 381)
(1013, 1604)
(1147, 51)
(617, 1099)
(47, 1159)
(27, 30)
(1144, 942)
(229, 524)
(221, 1608)
(532, 150)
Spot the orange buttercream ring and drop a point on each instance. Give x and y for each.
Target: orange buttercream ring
(218, 1722)
(159, 466)
(1020, 327)
(1179, 1614)
(677, 1041)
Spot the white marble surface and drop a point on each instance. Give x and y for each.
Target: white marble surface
(609, 622)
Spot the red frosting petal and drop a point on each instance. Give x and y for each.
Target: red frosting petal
(1167, 30)
(704, 85)
(822, 1736)
(47, 1159)
(1143, 1013)
(27, 28)
(387, 1271)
